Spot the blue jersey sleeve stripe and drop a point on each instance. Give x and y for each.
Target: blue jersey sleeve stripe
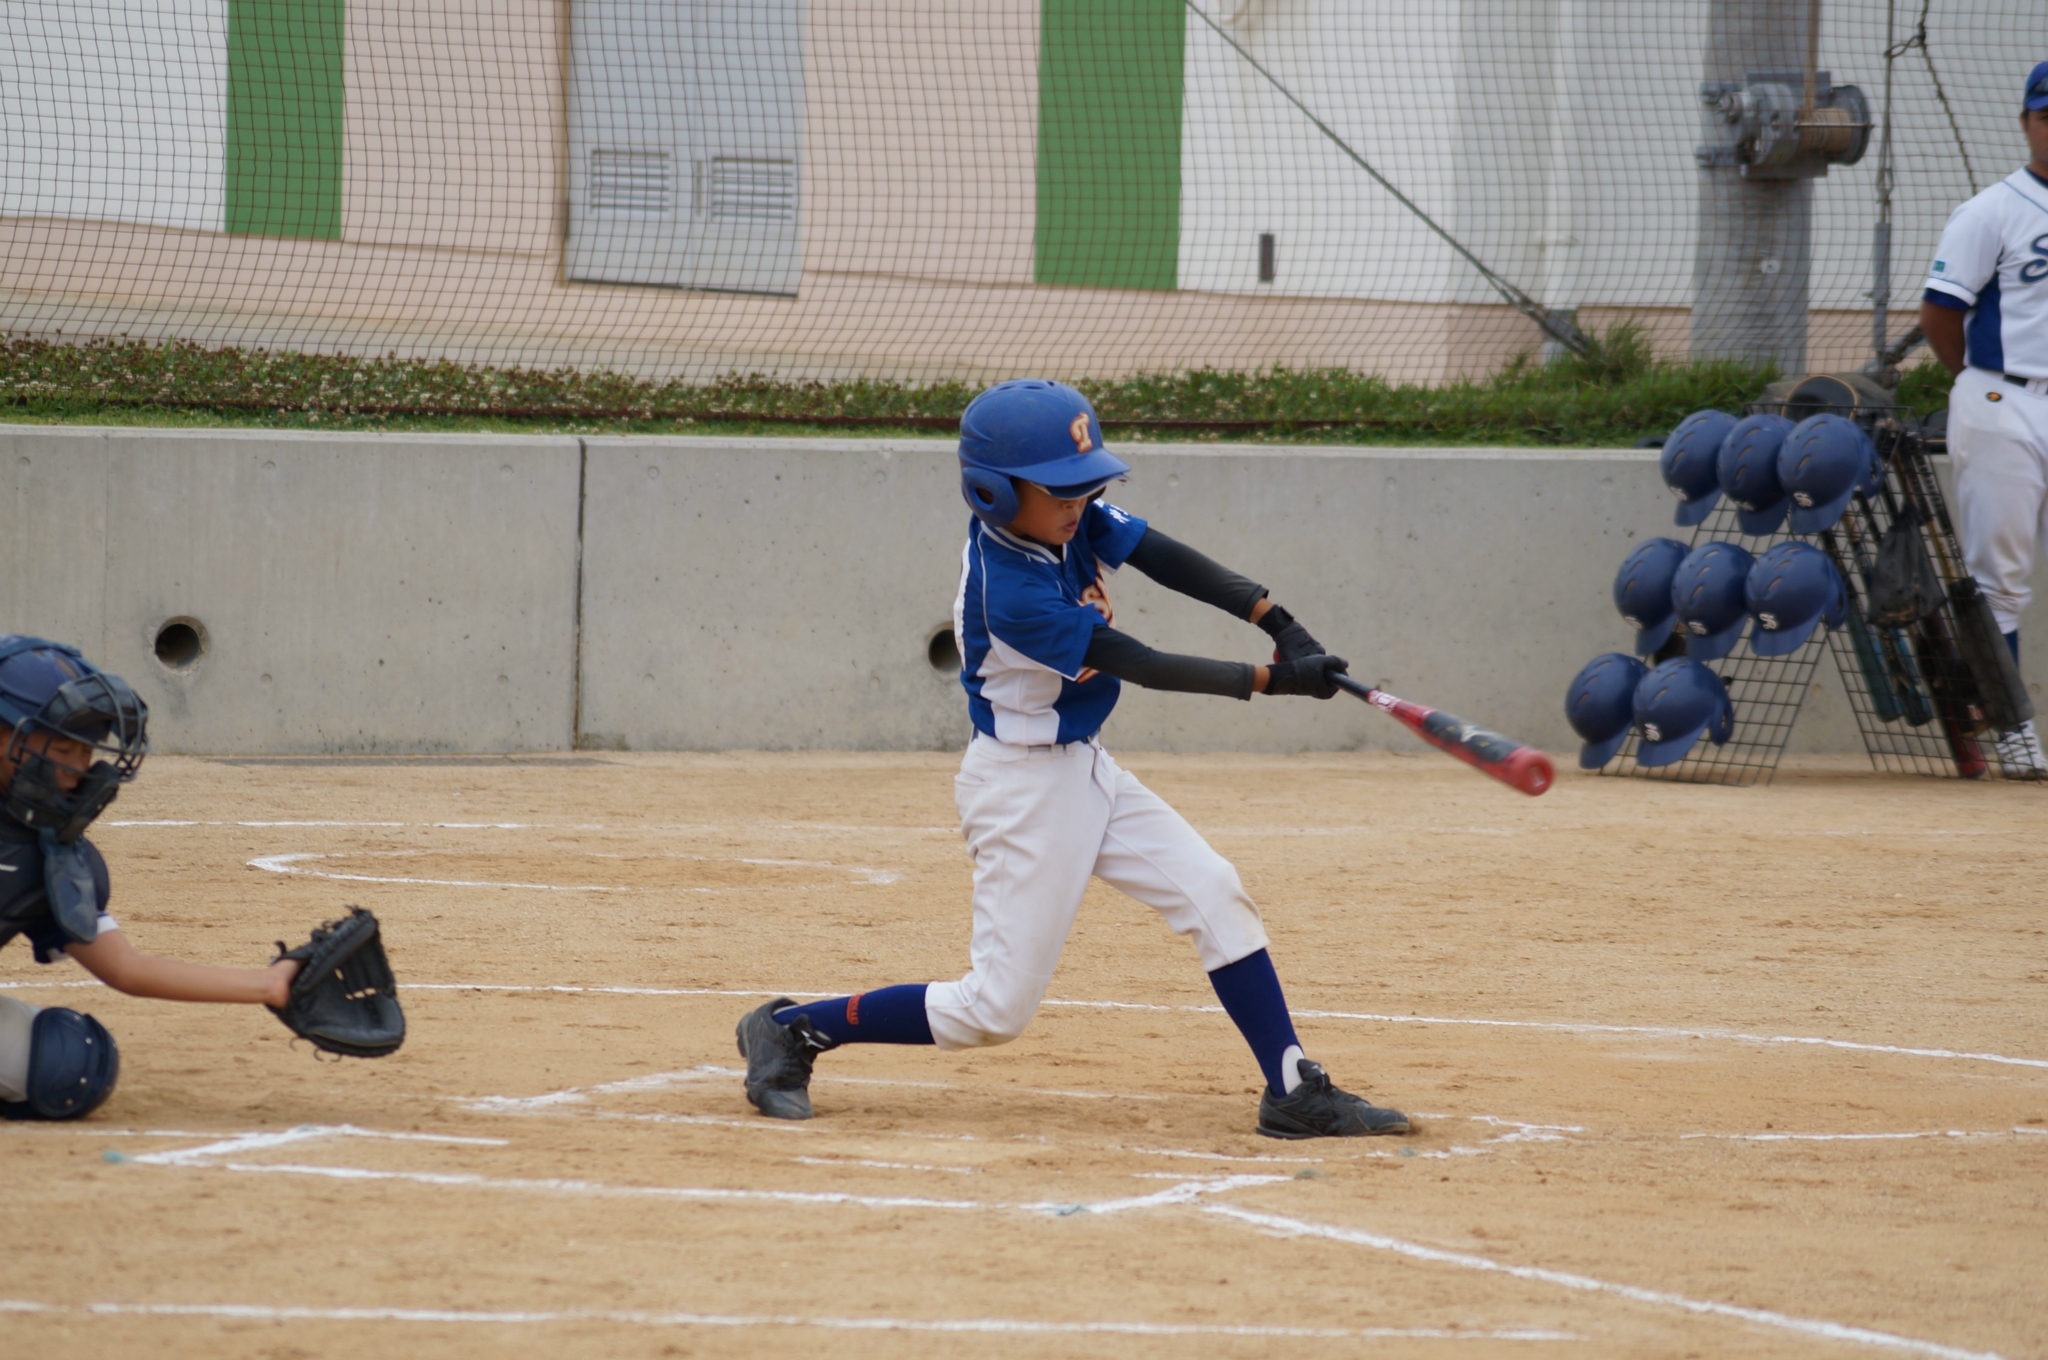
(1942, 297)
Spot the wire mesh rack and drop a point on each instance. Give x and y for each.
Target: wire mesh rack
(1766, 691)
(1920, 706)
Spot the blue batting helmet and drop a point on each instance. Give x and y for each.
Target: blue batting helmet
(1600, 706)
(1707, 596)
(1822, 463)
(1674, 704)
(1031, 430)
(1748, 471)
(1792, 588)
(1642, 590)
(1688, 463)
(49, 688)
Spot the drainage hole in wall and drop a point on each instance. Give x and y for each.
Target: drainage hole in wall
(180, 642)
(943, 651)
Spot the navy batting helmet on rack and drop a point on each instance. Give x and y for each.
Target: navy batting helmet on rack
(1600, 706)
(1031, 430)
(1691, 454)
(49, 688)
(1748, 470)
(1675, 703)
(1642, 590)
(1707, 593)
(1791, 589)
(1824, 461)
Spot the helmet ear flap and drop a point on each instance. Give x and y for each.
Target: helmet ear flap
(990, 495)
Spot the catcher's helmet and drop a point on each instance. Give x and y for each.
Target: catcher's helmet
(1688, 464)
(47, 687)
(1036, 431)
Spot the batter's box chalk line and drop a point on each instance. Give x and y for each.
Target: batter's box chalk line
(296, 862)
(208, 1156)
(634, 1318)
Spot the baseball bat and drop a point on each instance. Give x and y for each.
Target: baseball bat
(1517, 766)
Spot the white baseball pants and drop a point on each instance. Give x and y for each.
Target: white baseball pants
(1039, 822)
(2000, 449)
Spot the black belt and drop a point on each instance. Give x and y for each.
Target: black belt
(2017, 381)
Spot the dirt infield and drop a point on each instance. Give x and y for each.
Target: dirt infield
(1695, 1071)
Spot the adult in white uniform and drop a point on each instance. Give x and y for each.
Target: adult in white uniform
(1985, 312)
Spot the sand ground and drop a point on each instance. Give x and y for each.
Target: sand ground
(1695, 1072)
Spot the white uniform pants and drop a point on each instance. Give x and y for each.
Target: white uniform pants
(1039, 822)
(16, 1019)
(2000, 450)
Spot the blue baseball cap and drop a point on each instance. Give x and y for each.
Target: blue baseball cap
(1792, 589)
(1674, 704)
(1748, 472)
(1600, 706)
(1824, 461)
(1707, 596)
(1642, 590)
(1688, 463)
(2036, 96)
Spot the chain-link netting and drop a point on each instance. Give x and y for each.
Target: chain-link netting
(970, 189)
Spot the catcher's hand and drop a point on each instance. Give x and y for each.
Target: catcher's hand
(344, 998)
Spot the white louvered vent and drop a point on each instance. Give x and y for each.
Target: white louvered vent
(751, 189)
(630, 182)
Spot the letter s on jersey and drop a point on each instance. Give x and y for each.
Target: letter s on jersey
(2036, 269)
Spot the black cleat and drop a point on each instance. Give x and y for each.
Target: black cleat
(1317, 1109)
(779, 1059)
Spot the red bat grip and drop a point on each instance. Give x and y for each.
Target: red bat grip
(1518, 766)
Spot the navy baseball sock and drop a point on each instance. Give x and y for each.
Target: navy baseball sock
(2012, 640)
(893, 1015)
(1250, 991)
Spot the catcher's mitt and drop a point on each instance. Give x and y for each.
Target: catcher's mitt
(344, 998)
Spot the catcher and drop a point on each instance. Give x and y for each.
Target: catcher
(58, 712)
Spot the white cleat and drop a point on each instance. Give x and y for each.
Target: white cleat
(2020, 755)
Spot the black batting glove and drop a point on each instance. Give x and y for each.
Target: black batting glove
(1291, 641)
(1313, 676)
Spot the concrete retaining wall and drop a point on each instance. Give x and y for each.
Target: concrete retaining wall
(428, 593)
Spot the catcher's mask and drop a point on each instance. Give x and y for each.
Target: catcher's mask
(49, 688)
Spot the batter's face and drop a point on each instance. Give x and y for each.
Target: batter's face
(1045, 517)
(2034, 122)
(72, 758)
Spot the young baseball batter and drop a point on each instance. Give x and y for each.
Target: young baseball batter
(57, 713)
(1985, 313)
(1042, 805)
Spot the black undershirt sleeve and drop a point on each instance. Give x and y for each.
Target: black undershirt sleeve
(1126, 658)
(1178, 567)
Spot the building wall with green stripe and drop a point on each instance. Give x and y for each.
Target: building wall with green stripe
(284, 118)
(1110, 82)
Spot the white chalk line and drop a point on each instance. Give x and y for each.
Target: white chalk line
(294, 864)
(663, 1081)
(1831, 1331)
(1184, 1193)
(685, 827)
(888, 1166)
(630, 1317)
(1555, 1026)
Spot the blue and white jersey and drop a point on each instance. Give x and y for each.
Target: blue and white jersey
(1025, 616)
(1993, 263)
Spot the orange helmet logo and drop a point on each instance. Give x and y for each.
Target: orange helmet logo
(1079, 429)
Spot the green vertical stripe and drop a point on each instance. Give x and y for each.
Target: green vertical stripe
(1109, 101)
(284, 118)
